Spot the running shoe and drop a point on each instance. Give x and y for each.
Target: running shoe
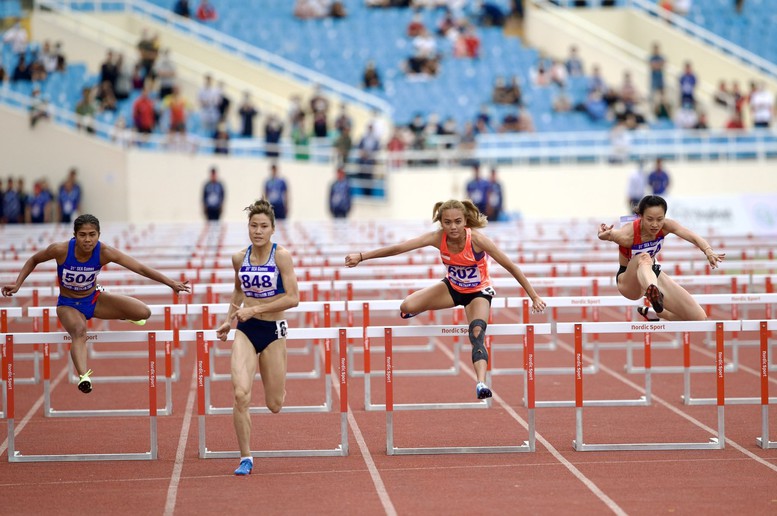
(403, 315)
(245, 468)
(644, 311)
(141, 322)
(482, 391)
(85, 383)
(656, 298)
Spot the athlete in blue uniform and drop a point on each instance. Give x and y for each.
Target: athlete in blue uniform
(78, 263)
(640, 274)
(265, 287)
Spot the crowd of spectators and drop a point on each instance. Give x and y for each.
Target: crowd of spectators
(41, 204)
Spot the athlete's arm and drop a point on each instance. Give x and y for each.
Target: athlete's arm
(237, 297)
(281, 302)
(484, 243)
(623, 236)
(110, 254)
(433, 239)
(672, 226)
(56, 251)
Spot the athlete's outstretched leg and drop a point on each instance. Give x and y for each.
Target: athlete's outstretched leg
(477, 314)
(74, 323)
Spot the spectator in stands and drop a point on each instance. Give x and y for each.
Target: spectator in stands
(342, 145)
(735, 120)
(449, 133)
(540, 74)
(247, 112)
(318, 102)
(12, 206)
(213, 196)
(137, 79)
(509, 123)
(69, 197)
(85, 109)
(662, 108)
(574, 64)
(38, 205)
(273, 129)
(337, 10)
(688, 86)
(182, 8)
(595, 106)
(343, 118)
(310, 9)
(24, 199)
(61, 59)
(620, 142)
(596, 82)
(629, 94)
(446, 23)
(106, 100)
(636, 187)
(300, 137)
(477, 189)
(416, 25)
(206, 13)
(108, 70)
(701, 121)
(495, 196)
(762, 106)
(561, 102)
(148, 49)
(658, 179)
(371, 77)
(558, 73)
(369, 146)
(17, 37)
(396, 145)
(166, 73)
(123, 85)
(656, 64)
(22, 72)
(723, 96)
(276, 192)
(48, 57)
(489, 14)
(120, 133)
(144, 114)
(340, 195)
(209, 99)
(177, 108)
(467, 44)
(221, 139)
(686, 117)
(37, 70)
(39, 107)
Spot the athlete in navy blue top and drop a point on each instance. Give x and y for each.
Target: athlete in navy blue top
(79, 261)
(640, 274)
(265, 287)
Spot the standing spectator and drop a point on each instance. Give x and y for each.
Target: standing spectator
(21, 72)
(123, 79)
(277, 193)
(495, 197)
(369, 145)
(39, 205)
(761, 106)
(213, 196)
(182, 8)
(209, 99)
(39, 107)
(48, 58)
(574, 64)
(85, 109)
(371, 77)
(108, 70)
(165, 72)
(224, 101)
(206, 13)
(144, 113)
(178, 108)
(656, 64)
(636, 187)
(658, 179)
(105, 97)
(273, 129)
(340, 195)
(477, 190)
(69, 198)
(12, 206)
(343, 118)
(221, 139)
(24, 199)
(17, 37)
(247, 112)
(148, 49)
(688, 86)
(343, 144)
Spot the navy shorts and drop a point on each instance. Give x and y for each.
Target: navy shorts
(622, 269)
(263, 333)
(460, 299)
(85, 305)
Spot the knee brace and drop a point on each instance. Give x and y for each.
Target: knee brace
(478, 347)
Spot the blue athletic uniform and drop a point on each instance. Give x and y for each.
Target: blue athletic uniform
(79, 277)
(261, 282)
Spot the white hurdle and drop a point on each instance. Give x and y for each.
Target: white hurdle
(389, 333)
(648, 328)
(327, 334)
(12, 339)
(763, 328)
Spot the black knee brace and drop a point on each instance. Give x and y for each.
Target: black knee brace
(478, 347)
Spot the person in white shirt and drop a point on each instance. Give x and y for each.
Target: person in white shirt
(762, 106)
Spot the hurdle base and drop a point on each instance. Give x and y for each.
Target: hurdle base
(482, 404)
(642, 401)
(713, 444)
(18, 457)
(688, 400)
(337, 452)
(451, 450)
(765, 444)
(326, 407)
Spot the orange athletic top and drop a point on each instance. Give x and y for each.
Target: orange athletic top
(651, 247)
(467, 271)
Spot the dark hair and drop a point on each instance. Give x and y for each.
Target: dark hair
(83, 220)
(259, 207)
(474, 219)
(648, 202)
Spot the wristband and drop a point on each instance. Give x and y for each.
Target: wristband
(361, 259)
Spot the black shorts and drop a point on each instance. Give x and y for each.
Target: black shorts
(622, 269)
(263, 333)
(460, 299)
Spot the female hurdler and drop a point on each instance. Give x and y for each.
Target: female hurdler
(266, 285)
(80, 298)
(639, 275)
(464, 251)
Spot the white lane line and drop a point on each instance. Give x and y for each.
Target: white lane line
(180, 453)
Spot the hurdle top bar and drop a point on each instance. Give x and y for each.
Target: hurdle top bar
(455, 329)
(648, 327)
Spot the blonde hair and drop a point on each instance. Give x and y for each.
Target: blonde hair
(262, 206)
(474, 219)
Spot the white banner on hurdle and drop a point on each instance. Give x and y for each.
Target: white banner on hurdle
(763, 328)
(11, 339)
(328, 334)
(648, 328)
(390, 333)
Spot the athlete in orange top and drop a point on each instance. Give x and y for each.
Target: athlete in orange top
(464, 251)
(639, 274)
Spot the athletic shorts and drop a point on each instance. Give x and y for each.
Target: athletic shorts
(460, 299)
(85, 305)
(263, 333)
(622, 269)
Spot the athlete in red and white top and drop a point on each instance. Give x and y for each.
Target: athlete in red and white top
(465, 252)
(640, 275)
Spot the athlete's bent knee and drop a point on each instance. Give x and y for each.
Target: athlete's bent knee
(479, 351)
(645, 259)
(274, 404)
(242, 400)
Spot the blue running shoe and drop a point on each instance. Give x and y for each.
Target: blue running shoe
(245, 468)
(483, 391)
(403, 315)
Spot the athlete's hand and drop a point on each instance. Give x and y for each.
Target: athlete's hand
(538, 305)
(244, 313)
(353, 259)
(714, 258)
(10, 290)
(223, 330)
(605, 232)
(181, 286)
